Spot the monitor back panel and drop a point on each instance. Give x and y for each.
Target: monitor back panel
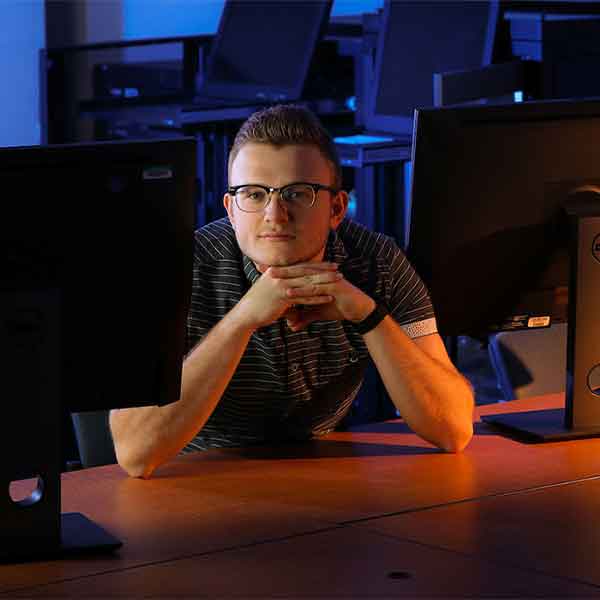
(263, 48)
(108, 227)
(419, 38)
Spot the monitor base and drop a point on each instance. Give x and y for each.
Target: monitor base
(80, 537)
(538, 426)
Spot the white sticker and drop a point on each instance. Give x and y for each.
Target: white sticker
(538, 322)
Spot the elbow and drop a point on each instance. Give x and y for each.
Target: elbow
(134, 466)
(458, 440)
(137, 469)
(134, 458)
(459, 431)
(457, 436)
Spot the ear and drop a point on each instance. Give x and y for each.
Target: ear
(339, 206)
(228, 203)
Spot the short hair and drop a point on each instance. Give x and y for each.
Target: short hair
(284, 125)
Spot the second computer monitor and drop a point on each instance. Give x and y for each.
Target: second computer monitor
(96, 249)
(489, 232)
(419, 38)
(262, 50)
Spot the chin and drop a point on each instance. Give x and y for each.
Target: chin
(269, 260)
(277, 261)
(283, 257)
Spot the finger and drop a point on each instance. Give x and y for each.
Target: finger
(309, 281)
(301, 269)
(320, 299)
(320, 289)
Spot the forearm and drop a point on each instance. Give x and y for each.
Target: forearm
(147, 437)
(434, 399)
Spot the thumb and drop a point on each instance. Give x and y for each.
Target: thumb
(300, 318)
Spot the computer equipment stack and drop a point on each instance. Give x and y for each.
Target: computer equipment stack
(415, 40)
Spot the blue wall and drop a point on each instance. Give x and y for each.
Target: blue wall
(164, 18)
(147, 18)
(22, 36)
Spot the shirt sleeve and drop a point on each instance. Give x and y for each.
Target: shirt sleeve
(203, 314)
(196, 328)
(409, 302)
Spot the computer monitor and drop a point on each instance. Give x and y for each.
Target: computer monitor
(262, 49)
(96, 250)
(490, 231)
(419, 38)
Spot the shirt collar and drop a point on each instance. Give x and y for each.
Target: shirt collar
(250, 270)
(334, 252)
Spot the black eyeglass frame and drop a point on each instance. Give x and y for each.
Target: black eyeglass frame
(316, 188)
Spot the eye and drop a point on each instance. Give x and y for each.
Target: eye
(251, 194)
(298, 194)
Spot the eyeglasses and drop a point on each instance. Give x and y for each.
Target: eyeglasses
(254, 197)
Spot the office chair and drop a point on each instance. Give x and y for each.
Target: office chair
(93, 437)
(530, 362)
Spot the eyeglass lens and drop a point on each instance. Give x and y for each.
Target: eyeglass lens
(254, 198)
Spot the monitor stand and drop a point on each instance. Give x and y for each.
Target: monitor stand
(581, 416)
(31, 524)
(536, 426)
(81, 536)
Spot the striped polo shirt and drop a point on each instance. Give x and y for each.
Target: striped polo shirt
(294, 385)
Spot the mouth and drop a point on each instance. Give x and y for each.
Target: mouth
(276, 237)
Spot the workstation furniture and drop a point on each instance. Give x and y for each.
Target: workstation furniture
(372, 511)
(553, 55)
(77, 93)
(109, 90)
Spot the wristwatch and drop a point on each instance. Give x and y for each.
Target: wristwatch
(372, 319)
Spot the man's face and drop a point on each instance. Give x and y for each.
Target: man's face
(280, 236)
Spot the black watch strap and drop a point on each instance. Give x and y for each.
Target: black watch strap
(372, 319)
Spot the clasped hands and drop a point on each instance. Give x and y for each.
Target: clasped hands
(303, 293)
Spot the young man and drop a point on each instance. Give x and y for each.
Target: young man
(290, 301)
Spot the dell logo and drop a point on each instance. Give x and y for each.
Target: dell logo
(596, 247)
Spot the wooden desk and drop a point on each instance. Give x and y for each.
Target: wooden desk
(553, 530)
(342, 563)
(224, 500)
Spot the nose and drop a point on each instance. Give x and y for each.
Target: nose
(276, 211)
